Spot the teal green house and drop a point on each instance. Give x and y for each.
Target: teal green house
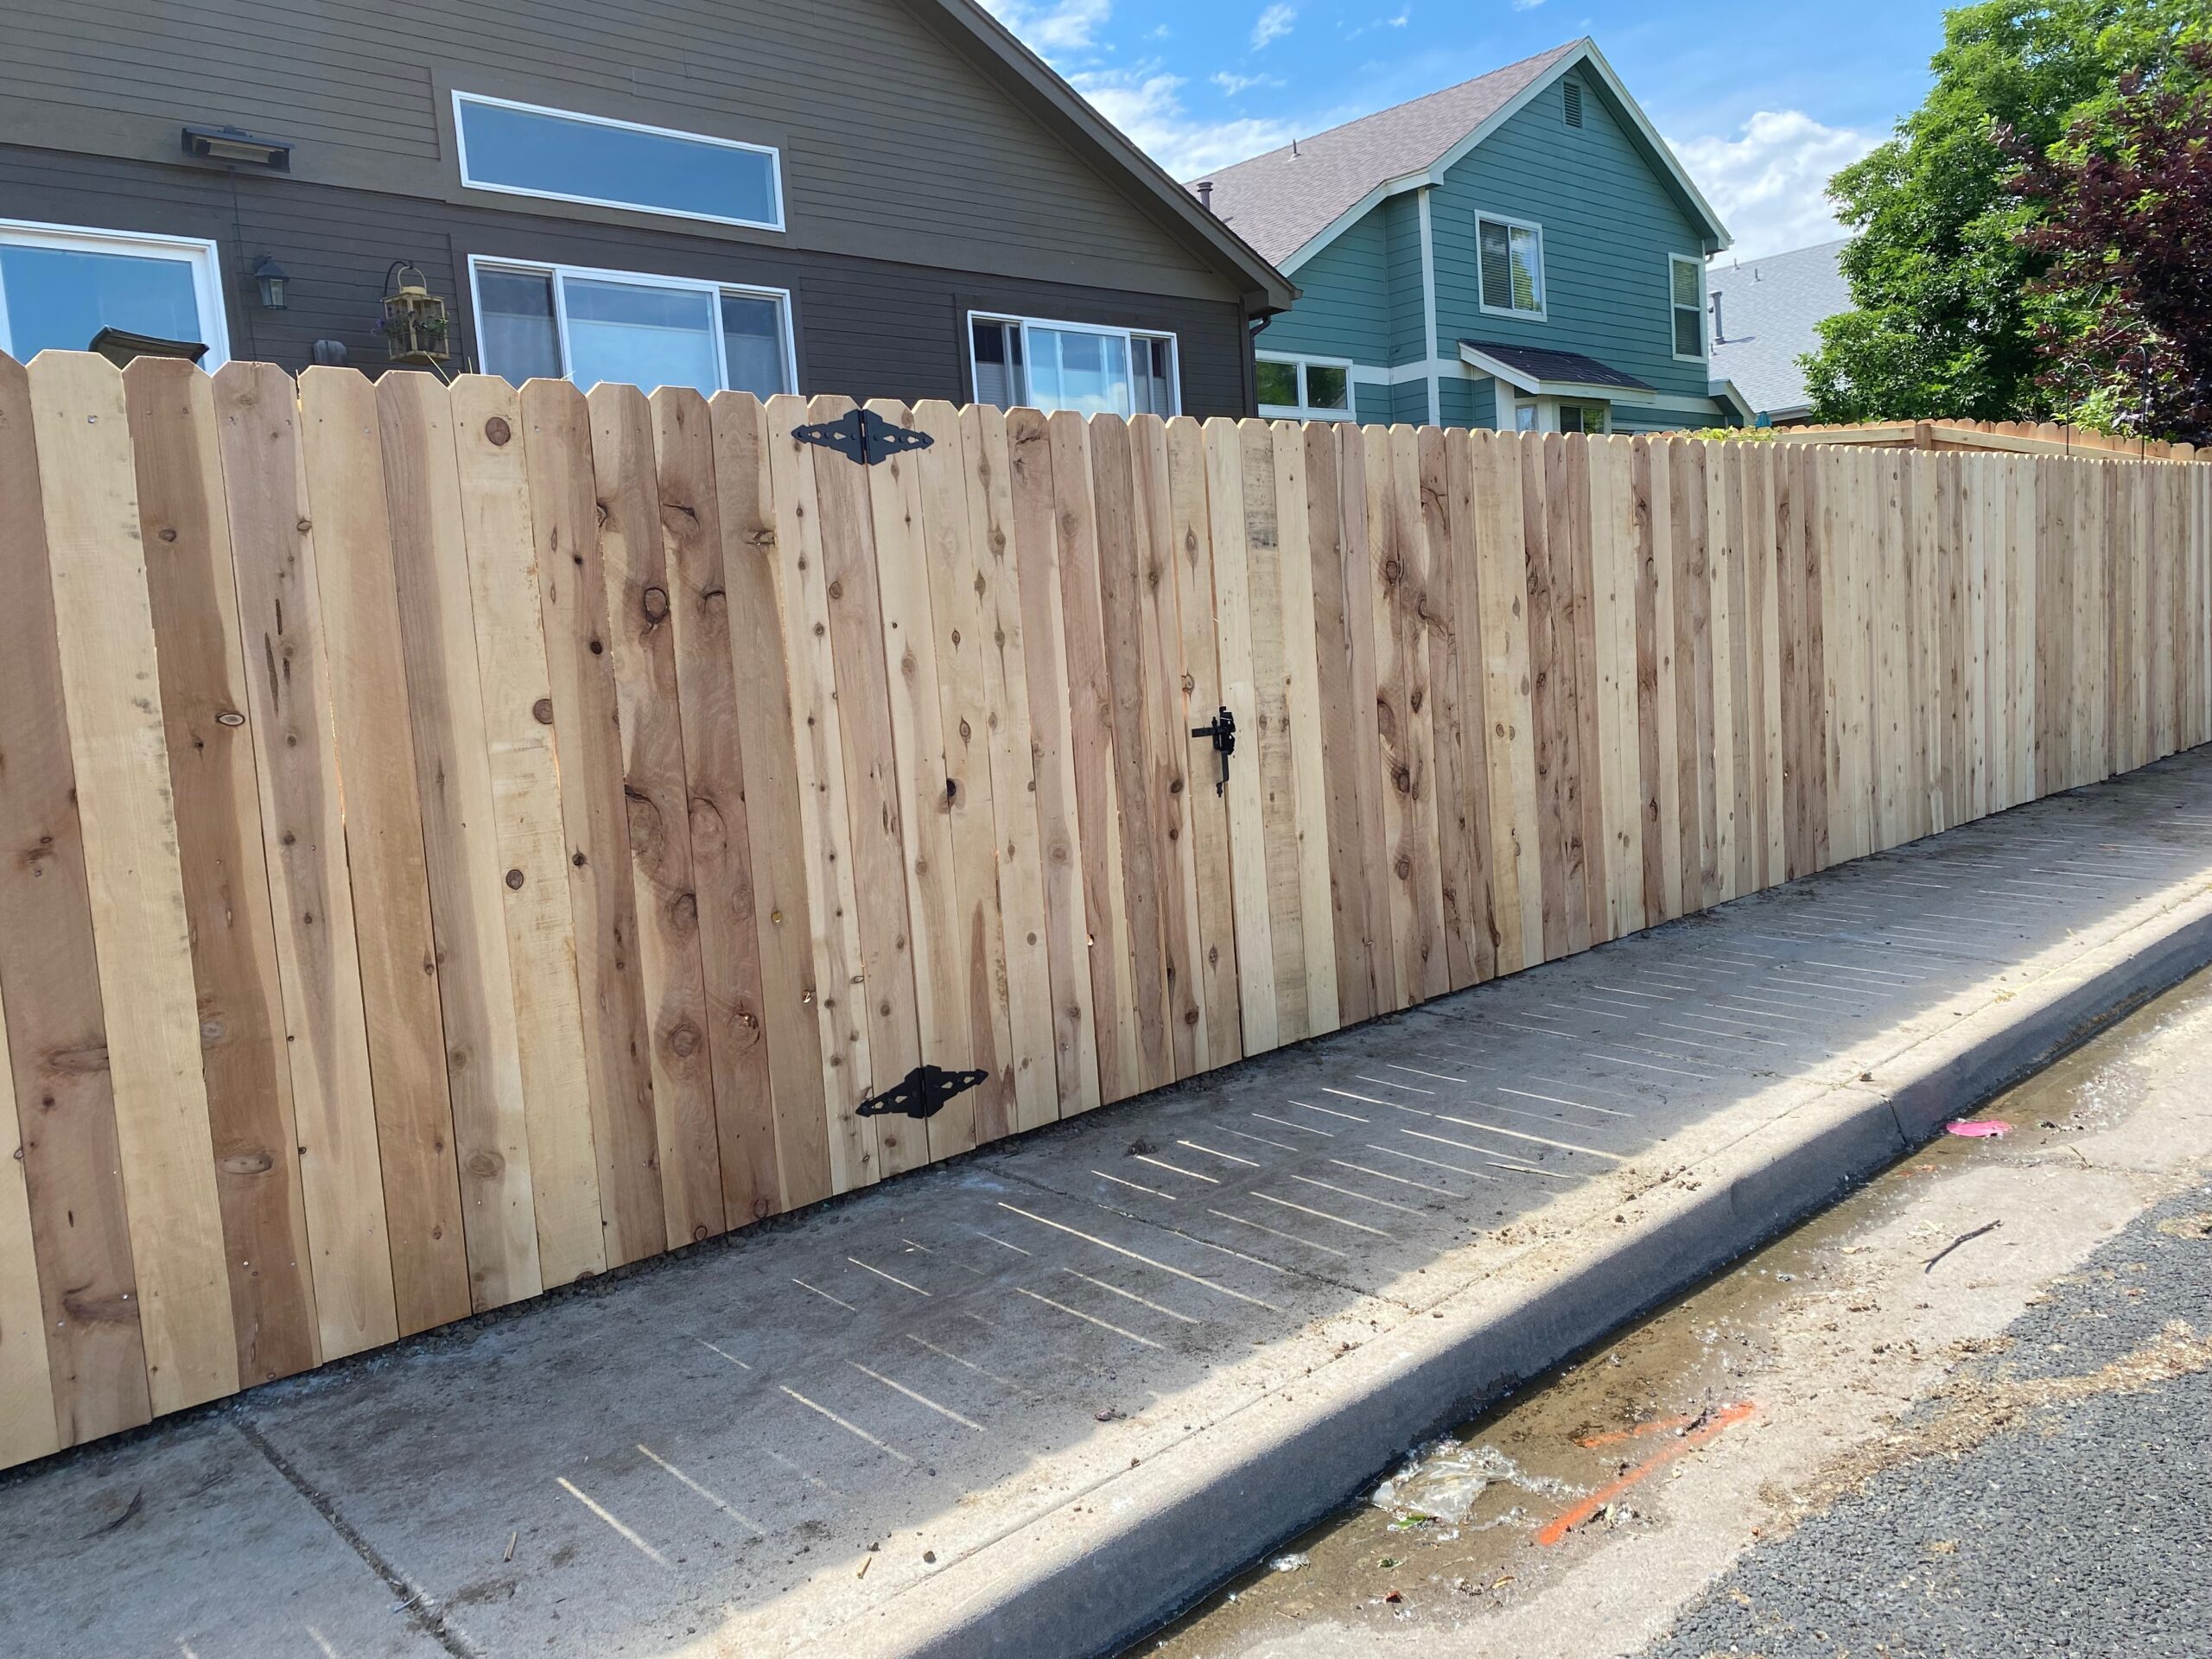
(1522, 251)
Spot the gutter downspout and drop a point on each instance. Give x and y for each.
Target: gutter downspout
(1428, 300)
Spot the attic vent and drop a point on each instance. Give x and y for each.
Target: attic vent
(1573, 89)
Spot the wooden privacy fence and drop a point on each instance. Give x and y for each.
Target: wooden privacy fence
(461, 840)
(2013, 437)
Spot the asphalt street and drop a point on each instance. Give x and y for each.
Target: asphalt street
(2081, 1525)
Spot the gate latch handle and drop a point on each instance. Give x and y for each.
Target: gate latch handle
(1224, 733)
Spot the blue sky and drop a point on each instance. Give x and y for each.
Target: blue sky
(1763, 101)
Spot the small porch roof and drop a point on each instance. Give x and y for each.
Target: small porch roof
(1538, 372)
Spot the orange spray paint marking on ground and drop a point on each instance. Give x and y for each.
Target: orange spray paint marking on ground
(1641, 1431)
(1560, 1526)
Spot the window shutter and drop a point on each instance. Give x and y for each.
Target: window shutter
(1497, 263)
(1574, 90)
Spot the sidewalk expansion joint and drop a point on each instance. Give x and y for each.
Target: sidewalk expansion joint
(414, 1601)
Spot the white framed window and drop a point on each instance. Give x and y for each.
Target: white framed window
(1510, 256)
(1304, 388)
(1528, 413)
(60, 284)
(526, 149)
(1686, 286)
(536, 321)
(1031, 363)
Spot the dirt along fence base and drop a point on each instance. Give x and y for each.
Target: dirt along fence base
(461, 840)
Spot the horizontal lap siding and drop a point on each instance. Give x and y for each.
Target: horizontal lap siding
(700, 786)
(1467, 402)
(1343, 309)
(1609, 224)
(893, 139)
(865, 328)
(1408, 326)
(1409, 403)
(1610, 220)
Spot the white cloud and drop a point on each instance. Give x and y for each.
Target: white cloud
(1404, 17)
(1275, 22)
(1056, 26)
(1769, 185)
(1147, 105)
(1234, 84)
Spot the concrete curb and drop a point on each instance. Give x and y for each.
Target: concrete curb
(1148, 1543)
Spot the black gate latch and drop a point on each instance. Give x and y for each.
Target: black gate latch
(1224, 733)
(923, 1093)
(863, 436)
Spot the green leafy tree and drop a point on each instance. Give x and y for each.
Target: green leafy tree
(2124, 218)
(1945, 323)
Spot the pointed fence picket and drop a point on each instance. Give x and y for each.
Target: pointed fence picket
(485, 836)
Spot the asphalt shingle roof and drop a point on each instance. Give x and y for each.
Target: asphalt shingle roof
(1768, 312)
(1546, 365)
(1281, 200)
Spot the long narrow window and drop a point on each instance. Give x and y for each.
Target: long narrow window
(60, 285)
(558, 322)
(1304, 389)
(1512, 260)
(525, 150)
(1021, 361)
(1688, 277)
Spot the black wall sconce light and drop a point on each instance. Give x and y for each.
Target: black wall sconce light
(238, 146)
(271, 278)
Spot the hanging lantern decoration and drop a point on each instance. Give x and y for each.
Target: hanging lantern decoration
(415, 325)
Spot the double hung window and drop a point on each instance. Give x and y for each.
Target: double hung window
(1687, 278)
(1511, 257)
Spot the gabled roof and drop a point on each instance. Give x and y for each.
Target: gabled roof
(1037, 87)
(1765, 317)
(1292, 202)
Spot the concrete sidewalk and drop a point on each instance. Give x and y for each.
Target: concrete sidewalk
(1029, 1404)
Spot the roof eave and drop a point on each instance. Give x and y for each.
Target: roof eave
(1727, 391)
(1035, 84)
(1722, 239)
(1353, 214)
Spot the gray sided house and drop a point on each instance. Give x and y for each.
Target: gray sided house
(1766, 317)
(882, 198)
(1521, 250)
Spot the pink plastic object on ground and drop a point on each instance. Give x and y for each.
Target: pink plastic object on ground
(1980, 1129)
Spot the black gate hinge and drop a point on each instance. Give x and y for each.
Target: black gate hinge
(1224, 733)
(863, 436)
(923, 1093)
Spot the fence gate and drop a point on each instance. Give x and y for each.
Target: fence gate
(459, 839)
